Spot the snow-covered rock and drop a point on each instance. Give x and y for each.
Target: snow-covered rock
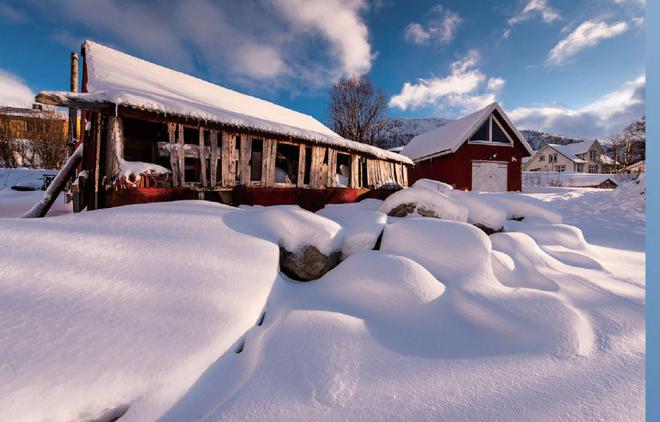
(310, 244)
(424, 202)
(433, 185)
(449, 249)
(481, 211)
(361, 227)
(525, 207)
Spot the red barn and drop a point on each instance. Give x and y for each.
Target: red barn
(481, 152)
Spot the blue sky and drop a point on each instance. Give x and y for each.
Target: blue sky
(569, 67)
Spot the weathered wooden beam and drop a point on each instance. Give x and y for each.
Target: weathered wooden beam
(316, 167)
(332, 167)
(268, 162)
(227, 161)
(73, 113)
(40, 209)
(96, 128)
(213, 171)
(50, 98)
(301, 165)
(354, 181)
(171, 152)
(114, 149)
(181, 158)
(405, 176)
(244, 160)
(202, 158)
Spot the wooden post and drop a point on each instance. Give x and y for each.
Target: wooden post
(316, 167)
(180, 153)
(268, 162)
(202, 158)
(213, 139)
(114, 150)
(73, 113)
(301, 165)
(355, 172)
(94, 188)
(332, 167)
(244, 160)
(405, 176)
(228, 164)
(174, 160)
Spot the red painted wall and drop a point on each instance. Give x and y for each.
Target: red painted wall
(456, 169)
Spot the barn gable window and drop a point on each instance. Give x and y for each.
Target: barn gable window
(491, 131)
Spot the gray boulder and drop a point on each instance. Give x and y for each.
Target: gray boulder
(307, 263)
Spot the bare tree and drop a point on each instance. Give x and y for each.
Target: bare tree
(358, 110)
(629, 146)
(39, 144)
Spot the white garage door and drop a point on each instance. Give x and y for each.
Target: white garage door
(489, 176)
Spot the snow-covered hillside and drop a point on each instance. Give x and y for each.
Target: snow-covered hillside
(177, 311)
(537, 138)
(14, 203)
(402, 130)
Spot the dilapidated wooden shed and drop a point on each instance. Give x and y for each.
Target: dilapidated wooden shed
(154, 134)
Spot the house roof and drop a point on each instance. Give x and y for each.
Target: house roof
(33, 112)
(571, 151)
(448, 138)
(116, 78)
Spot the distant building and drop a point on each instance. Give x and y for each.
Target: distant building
(31, 136)
(30, 123)
(638, 167)
(481, 152)
(579, 157)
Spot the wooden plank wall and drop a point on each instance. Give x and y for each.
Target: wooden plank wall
(235, 164)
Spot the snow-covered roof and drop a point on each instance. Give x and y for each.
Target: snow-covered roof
(397, 149)
(447, 139)
(571, 151)
(117, 78)
(34, 113)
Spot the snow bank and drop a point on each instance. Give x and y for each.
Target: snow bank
(122, 306)
(361, 227)
(290, 226)
(426, 201)
(522, 206)
(450, 250)
(433, 185)
(16, 203)
(481, 210)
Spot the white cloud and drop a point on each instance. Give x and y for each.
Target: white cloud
(602, 117)
(416, 34)
(441, 28)
(532, 8)
(588, 34)
(339, 23)
(297, 44)
(465, 89)
(13, 91)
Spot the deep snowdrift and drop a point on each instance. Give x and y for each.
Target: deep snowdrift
(159, 308)
(122, 306)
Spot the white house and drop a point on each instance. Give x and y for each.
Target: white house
(579, 157)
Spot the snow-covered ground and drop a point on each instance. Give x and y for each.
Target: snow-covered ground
(157, 310)
(14, 203)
